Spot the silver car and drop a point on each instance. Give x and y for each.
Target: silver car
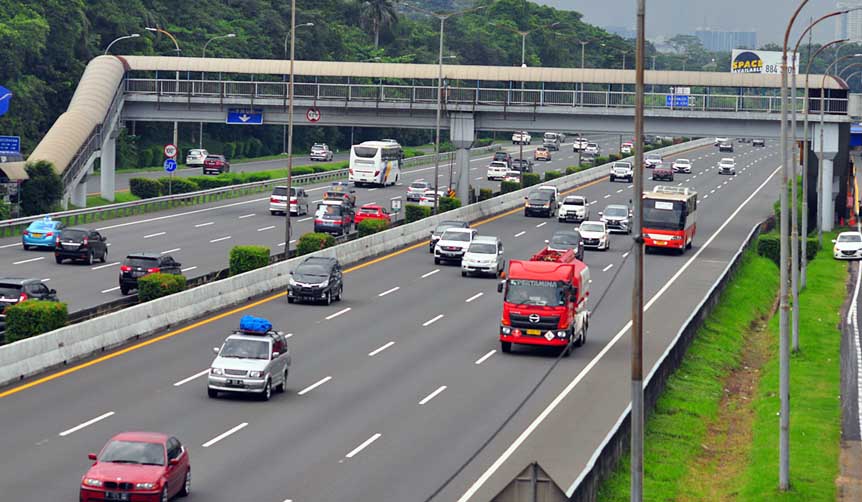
(250, 363)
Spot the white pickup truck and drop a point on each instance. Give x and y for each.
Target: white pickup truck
(622, 171)
(521, 138)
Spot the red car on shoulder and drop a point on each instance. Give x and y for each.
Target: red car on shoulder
(372, 212)
(138, 467)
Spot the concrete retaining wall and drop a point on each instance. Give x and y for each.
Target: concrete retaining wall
(58, 348)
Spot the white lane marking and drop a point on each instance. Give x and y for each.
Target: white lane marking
(630, 186)
(373, 189)
(220, 239)
(626, 254)
(305, 219)
(365, 444)
(431, 321)
(266, 228)
(316, 201)
(522, 232)
(188, 268)
(100, 267)
(28, 261)
(110, 289)
(46, 279)
(174, 250)
(712, 191)
(157, 234)
(857, 341)
(607, 196)
(540, 225)
(225, 434)
(706, 196)
(480, 178)
(10, 245)
(314, 386)
(621, 190)
(608, 267)
(189, 379)
(333, 316)
(430, 273)
(593, 202)
(199, 225)
(486, 356)
(477, 295)
(86, 424)
(432, 395)
(246, 216)
(583, 373)
(396, 288)
(380, 349)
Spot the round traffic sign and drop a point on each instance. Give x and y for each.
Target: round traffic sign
(313, 114)
(170, 165)
(170, 151)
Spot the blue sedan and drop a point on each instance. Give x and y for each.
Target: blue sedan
(42, 233)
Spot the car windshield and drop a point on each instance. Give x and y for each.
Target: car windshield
(71, 234)
(318, 148)
(540, 196)
(574, 201)
(567, 240)
(664, 215)
(196, 152)
(330, 212)
(616, 211)
(591, 227)
(529, 292)
(366, 152)
(592, 145)
(622, 165)
(10, 291)
(653, 157)
(141, 262)
(683, 161)
(482, 248)
(133, 452)
(419, 184)
(245, 349)
(443, 226)
(850, 238)
(369, 210)
(456, 236)
(498, 165)
(311, 273)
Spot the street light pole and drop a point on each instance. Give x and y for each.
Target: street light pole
(288, 36)
(176, 125)
(204, 55)
(133, 35)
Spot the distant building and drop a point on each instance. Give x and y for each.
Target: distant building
(622, 31)
(725, 41)
(849, 25)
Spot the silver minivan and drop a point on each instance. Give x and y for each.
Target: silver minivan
(299, 201)
(484, 256)
(250, 363)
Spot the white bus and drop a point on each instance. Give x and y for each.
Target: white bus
(375, 163)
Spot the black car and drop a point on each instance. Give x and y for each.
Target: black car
(541, 202)
(441, 227)
(725, 147)
(14, 290)
(138, 265)
(758, 142)
(563, 240)
(503, 157)
(81, 244)
(334, 219)
(523, 165)
(316, 278)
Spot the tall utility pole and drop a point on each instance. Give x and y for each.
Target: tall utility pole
(289, 36)
(204, 55)
(637, 381)
(583, 45)
(290, 131)
(177, 49)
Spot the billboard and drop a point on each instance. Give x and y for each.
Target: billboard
(751, 61)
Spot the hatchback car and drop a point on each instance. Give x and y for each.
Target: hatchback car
(592, 148)
(574, 208)
(428, 198)
(681, 166)
(453, 244)
(340, 192)
(662, 173)
(333, 217)
(497, 170)
(503, 157)
(484, 256)
(299, 201)
(42, 233)
(136, 466)
(441, 227)
(563, 240)
(320, 151)
(195, 157)
(135, 266)
(14, 290)
(81, 244)
(542, 153)
(216, 164)
(847, 246)
(727, 166)
(512, 176)
(372, 212)
(416, 189)
(522, 165)
(595, 235)
(317, 279)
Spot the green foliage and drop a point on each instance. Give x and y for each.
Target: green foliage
(415, 212)
(769, 246)
(230, 150)
(449, 203)
(601, 159)
(209, 182)
(302, 170)
(313, 241)
(152, 286)
(530, 179)
(368, 227)
(254, 147)
(145, 188)
(485, 194)
(572, 170)
(245, 258)
(176, 185)
(509, 186)
(5, 210)
(43, 191)
(34, 317)
(551, 175)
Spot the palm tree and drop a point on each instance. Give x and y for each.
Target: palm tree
(378, 14)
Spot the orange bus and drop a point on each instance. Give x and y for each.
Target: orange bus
(669, 217)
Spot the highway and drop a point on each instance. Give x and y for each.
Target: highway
(393, 388)
(200, 237)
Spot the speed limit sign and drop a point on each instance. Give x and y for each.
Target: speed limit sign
(170, 151)
(313, 114)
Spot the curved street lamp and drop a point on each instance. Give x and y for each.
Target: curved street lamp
(204, 52)
(524, 33)
(203, 77)
(177, 49)
(133, 35)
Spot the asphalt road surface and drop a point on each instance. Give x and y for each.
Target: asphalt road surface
(392, 388)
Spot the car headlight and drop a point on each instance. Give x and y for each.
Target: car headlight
(324, 283)
(676, 238)
(292, 282)
(255, 374)
(561, 334)
(92, 482)
(835, 249)
(144, 486)
(216, 371)
(506, 330)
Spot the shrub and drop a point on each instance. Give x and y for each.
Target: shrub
(302, 170)
(41, 193)
(34, 317)
(245, 258)
(485, 193)
(176, 185)
(482, 142)
(601, 159)
(254, 147)
(529, 179)
(156, 155)
(449, 203)
(614, 157)
(769, 246)
(154, 286)
(551, 175)
(314, 241)
(145, 188)
(145, 157)
(230, 150)
(368, 227)
(415, 212)
(572, 170)
(509, 186)
(208, 182)
(253, 177)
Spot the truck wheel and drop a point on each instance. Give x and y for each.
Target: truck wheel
(568, 350)
(506, 347)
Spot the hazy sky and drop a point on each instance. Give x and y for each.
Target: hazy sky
(669, 17)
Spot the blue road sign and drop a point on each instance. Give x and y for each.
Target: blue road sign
(10, 145)
(5, 98)
(677, 101)
(244, 117)
(170, 165)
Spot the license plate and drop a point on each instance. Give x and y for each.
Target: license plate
(37, 236)
(534, 332)
(235, 383)
(661, 243)
(116, 496)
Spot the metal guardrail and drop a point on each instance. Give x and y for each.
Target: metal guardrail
(72, 217)
(469, 96)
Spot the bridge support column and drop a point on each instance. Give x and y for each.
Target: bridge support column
(461, 134)
(827, 182)
(79, 193)
(108, 163)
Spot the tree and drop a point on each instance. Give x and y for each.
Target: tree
(44, 189)
(379, 14)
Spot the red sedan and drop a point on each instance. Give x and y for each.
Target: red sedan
(138, 467)
(372, 212)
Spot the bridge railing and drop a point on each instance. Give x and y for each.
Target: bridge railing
(470, 96)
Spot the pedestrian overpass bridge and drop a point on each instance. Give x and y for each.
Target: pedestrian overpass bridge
(114, 89)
